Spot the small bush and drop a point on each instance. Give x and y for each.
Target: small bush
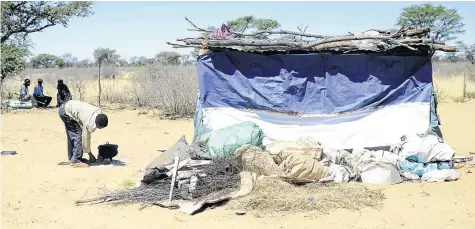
(460, 99)
(470, 95)
(170, 89)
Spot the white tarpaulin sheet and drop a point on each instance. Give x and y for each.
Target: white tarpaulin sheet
(375, 127)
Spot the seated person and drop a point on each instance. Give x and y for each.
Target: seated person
(24, 94)
(42, 100)
(64, 94)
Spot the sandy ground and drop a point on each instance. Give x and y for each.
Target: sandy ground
(37, 193)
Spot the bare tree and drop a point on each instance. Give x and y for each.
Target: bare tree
(79, 86)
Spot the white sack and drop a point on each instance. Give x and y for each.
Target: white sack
(380, 173)
(441, 175)
(427, 149)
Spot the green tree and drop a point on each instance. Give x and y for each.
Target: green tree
(13, 59)
(468, 51)
(249, 24)
(168, 58)
(445, 23)
(69, 59)
(142, 61)
(195, 53)
(47, 61)
(133, 60)
(84, 63)
(21, 18)
(122, 63)
(104, 55)
(452, 57)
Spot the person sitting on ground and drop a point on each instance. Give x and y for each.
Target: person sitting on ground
(24, 94)
(81, 119)
(64, 94)
(39, 96)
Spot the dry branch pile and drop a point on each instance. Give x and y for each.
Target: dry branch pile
(222, 176)
(373, 40)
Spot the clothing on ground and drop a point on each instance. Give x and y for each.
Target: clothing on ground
(85, 115)
(74, 136)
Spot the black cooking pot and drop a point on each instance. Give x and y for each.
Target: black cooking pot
(108, 151)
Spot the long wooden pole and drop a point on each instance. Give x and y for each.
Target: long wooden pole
(100, 89)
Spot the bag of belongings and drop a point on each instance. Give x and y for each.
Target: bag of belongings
(301, 165)
(256, 160)
(299, 161)
(224, 142)
(157, 169)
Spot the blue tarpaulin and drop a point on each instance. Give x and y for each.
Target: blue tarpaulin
(335, 95)
(312, 83)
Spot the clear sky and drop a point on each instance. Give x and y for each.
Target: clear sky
(142, 28)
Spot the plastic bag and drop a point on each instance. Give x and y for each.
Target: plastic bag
(417, 168)
(224, 142)
(427, 149)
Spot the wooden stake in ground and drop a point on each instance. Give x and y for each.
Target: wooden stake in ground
(175, 171)
(99, 80)
(464, 86)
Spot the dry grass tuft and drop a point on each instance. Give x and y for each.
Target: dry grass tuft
(272, 195)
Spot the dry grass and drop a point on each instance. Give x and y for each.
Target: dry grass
(173, 89)
(451, 89)
(272, 195)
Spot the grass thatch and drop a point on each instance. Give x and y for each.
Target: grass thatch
(272, 195)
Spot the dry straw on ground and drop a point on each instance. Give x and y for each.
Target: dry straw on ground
(173, 89)
(271, 195)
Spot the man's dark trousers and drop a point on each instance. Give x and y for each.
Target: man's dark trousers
(46, 100)
(74, 134)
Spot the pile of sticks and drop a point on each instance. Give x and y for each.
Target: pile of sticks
(375, 40)
(221, 176)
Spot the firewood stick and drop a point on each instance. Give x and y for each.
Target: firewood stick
(175, 171)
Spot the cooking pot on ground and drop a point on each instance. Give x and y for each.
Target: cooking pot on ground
(108, 151)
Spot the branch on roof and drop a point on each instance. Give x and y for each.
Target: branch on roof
(196, 27)
(174, 45)
(275, 32)
(415, 32)
(189, 38)
(409, 38)
(283, 32)
(243, 42)
(438, 47)
(354, 38)
(420, 40)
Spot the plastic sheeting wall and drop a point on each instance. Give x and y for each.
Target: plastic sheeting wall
(343, 101)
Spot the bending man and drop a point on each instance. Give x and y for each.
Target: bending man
(81, 119)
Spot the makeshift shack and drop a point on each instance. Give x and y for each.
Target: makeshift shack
(302, 108)
(357, 90)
